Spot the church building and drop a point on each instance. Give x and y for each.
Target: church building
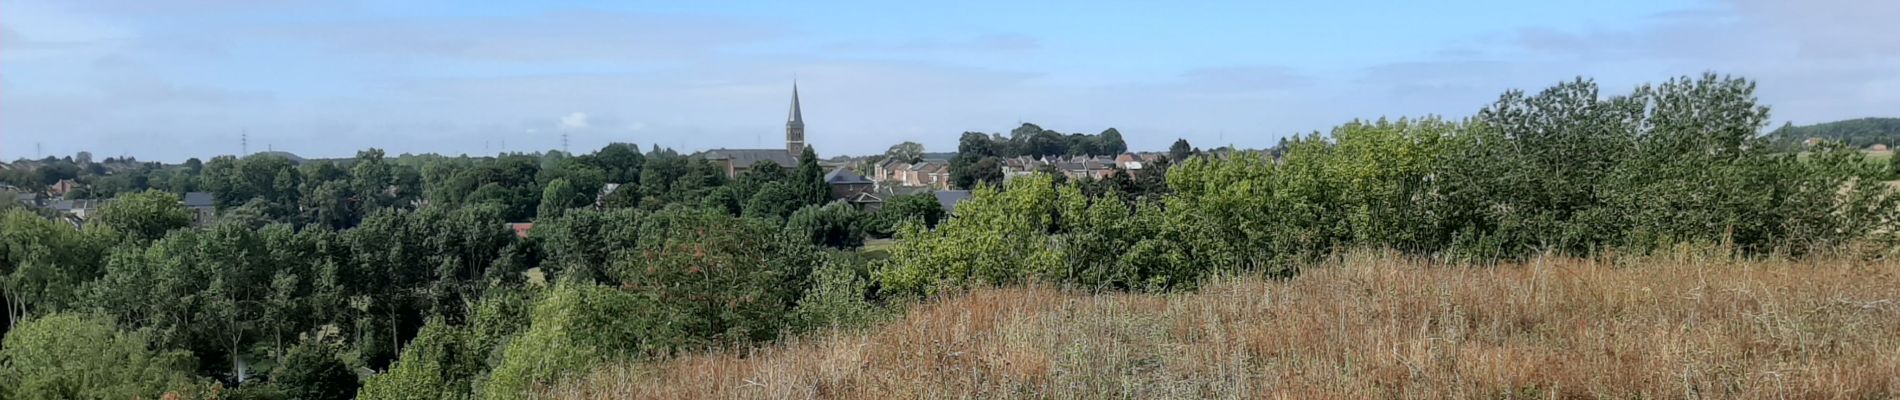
(737, 161)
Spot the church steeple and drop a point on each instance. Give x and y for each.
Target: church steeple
(795, 126)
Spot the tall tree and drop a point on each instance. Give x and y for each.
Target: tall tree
(1110, 142)
(809, 179)
(1180, 151)
(906, 152)
(145, 216)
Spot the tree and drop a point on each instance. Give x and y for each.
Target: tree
(145, 216)
(809, 179)
(313, 372)
(427, 369)
(43, 263)
(997, 237)
(775, 201)
(837, 225)
(374, 182)
(1180, 150)
(976, 161)
(921, 207)
(906, 152)
(76, 356)
(557, 198)
(621, 162)
(1110, 143)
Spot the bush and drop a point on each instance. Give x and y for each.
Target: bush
(841, 295)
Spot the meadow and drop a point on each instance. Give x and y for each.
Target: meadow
(1366, 325)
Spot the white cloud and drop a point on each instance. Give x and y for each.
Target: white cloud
(575, 120)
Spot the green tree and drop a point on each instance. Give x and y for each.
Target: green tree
(145, 216)
(76, 356)
(1180, 150)
(921, 207)
(837, 225)
(996, 237)
(775, 201)
(906, 152)
(557, 198)
(1110, 142)
(621, 162)
(43, 263)
(809, 180)
(312, 371)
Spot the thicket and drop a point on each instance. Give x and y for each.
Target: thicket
(1568, 170)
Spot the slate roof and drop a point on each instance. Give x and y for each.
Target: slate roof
(949, 198)
(744, 158)
(198, 200)
(843, 176)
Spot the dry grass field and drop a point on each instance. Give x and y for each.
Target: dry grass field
(1370, 326)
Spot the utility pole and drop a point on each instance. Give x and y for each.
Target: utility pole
(244, 144)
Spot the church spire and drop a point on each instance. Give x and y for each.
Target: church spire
(795, 117)
(795, 126)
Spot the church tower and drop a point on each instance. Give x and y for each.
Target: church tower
(795, 127)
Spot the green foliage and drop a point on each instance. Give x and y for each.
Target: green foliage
(1180, 151)
(43, 263)
(836, 225)
(840, 296)
(922, 207)
(1566, 170)
(775, 201)
(234, 182)
(427, 370)
(906, 152)
(557, 198)
(312, 371)
(76, 356)
(145, 216)
(576, 326)
(731, 280)
(997, 237)
(808, 181)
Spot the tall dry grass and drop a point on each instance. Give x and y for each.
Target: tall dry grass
(1370, 326)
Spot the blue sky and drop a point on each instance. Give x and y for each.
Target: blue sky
(172, 79)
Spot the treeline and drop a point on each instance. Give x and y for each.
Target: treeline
(1567, 170)
(980, 156)
(315, 272)
(1856, 133)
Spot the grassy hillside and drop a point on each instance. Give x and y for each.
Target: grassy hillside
(1369, 327)
(1858, 133)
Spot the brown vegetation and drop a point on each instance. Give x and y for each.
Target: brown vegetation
(1371, 326)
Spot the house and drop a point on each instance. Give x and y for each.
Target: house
(82, 209)
(737, 161)
(63, 187)
(949, 199)
(1877, 147)
(606, 192)
(847, 185)
(521, 229)
(28, 199)
(203, 207)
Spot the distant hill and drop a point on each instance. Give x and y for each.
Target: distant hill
(1858, 133)
(285, 154)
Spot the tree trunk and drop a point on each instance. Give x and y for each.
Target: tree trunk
(277, 335)
(395, 342)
